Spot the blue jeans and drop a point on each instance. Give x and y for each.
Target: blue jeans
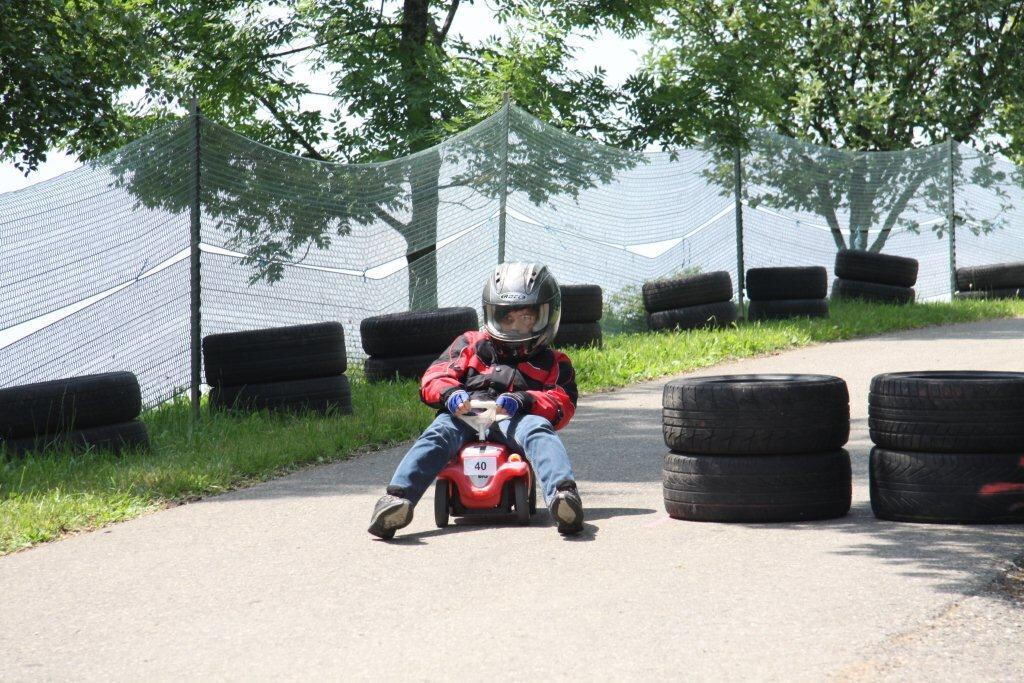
(530, 435)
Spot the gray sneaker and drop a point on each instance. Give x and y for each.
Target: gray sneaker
(567, 509)
(390, 514)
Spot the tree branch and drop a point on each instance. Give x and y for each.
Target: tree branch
(389, 219)
(292, 52)
(439, 39)
(897, 209)
(290, 129)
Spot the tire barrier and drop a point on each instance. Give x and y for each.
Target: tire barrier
(993, 277)
(691, 302)
(789, 292)
(281, 369)
(98, 411)
(403, 345)
(719, 314)
(275, 354)
(1002, 293)
(582, 308)
(756, 448)
(872, 291)
(947, 446)
(883, 269)
(317, 394)
(880, 278)
(582, 303)
(579, 334)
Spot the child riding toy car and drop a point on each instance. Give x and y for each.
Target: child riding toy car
(485, 478)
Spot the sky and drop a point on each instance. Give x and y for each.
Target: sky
(619, 57)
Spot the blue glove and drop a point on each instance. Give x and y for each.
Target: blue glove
(509, 403)
(456, 399)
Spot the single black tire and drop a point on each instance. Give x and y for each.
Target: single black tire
(442, 503)
(994, 276)
(883, 269)
(533, 495)
(784, 309)
(947, 411)
(756, 414)
(115, 438)
(69, 404)
(578, 334)
(397, 368)
(693, 290)
(947, 488)
(581, 303)
(1006, 293)
(522, 497)
(319, 395)
(763, 488)
(275, 354)
(720, 314)
(871, 291)
(772, 284)
(414, 333)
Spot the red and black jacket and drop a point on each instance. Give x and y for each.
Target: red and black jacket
(545, 383)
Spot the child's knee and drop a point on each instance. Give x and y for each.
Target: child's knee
(530, 424)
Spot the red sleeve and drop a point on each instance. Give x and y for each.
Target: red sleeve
(447, 372)
(557, 401)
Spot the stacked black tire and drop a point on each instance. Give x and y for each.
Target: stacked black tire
(281, 369)
(403, 345)
(93, 411)
(879, 278)
(756, 448)
(792, 292)
(685, 303)
(582, 306)
(995, 281)
(948, 447)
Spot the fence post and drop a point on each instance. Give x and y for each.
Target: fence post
(738, 175)
(506, 109)
(951, 223)
(194, 287)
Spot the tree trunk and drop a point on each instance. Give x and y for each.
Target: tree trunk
(421, 232)
(897, 208)
(862, 200)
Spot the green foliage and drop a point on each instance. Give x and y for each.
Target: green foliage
(61, 66)
(401, 73)
(624, 311)
(46, 495)
(839, 74)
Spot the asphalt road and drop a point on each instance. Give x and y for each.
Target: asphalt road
(282, 581)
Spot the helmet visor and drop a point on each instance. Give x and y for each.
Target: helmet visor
(516, 322)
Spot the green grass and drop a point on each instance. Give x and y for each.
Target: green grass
(43, 497)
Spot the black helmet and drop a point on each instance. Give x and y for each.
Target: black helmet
(522, 306)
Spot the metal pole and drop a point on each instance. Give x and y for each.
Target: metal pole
(951, 222)
(506, 108)
(738, 175)
(194, 287)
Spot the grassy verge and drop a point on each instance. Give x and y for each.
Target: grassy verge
(44, 497)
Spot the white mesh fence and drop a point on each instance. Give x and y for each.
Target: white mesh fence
(95, 273)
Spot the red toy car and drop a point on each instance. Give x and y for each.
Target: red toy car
(485, 478)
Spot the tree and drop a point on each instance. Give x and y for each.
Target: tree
(397, 68)
(61, 66)
(874, 75)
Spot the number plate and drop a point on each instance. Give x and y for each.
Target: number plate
(479, 465)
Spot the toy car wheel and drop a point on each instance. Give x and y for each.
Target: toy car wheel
(522, 498)
(533, 497)
(441, 503)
